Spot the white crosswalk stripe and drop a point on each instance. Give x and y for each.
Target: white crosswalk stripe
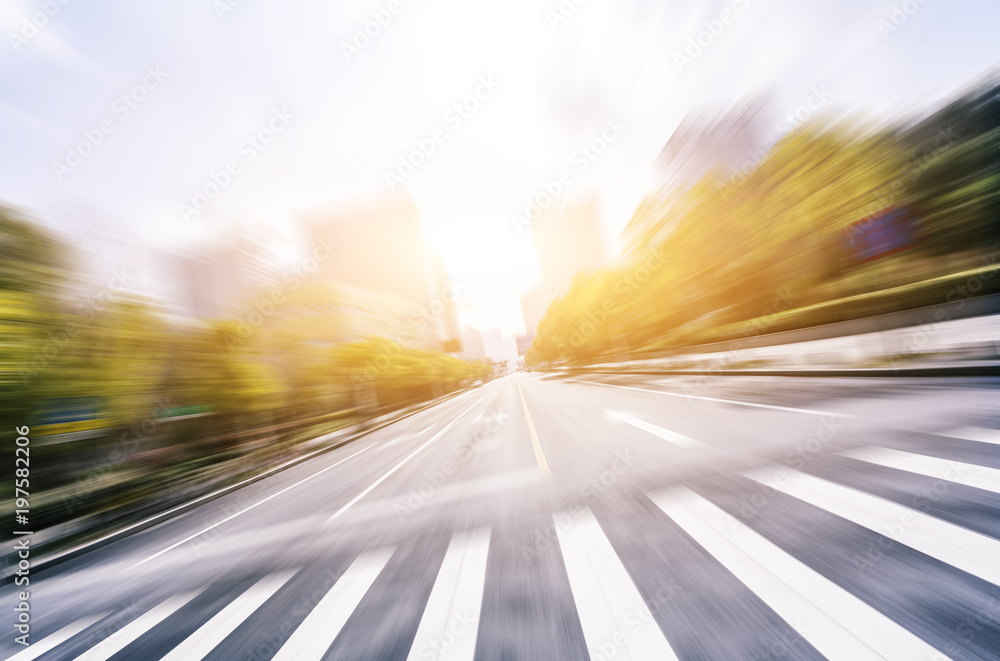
(450, 623)
(648, 427)
(973, 434)
(963, 548)
(131, 632)
(51, 641)
(980, 477)
(312, 638)
(605, 595)
(835, 622)
(209, 635)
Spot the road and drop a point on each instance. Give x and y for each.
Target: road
(595, 518)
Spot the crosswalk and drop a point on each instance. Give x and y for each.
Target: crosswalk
(448, 627)
(317, 632)
(605, 594)
(802, 580)
(838, 624)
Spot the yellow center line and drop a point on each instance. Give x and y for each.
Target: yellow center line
(543, 465)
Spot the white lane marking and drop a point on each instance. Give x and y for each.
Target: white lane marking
(312, 638)
(543, 464)
(35, 650)
(119, 640)
(450, 623)
(960, 547)
(402, 463)
(838, 624)
(406, 437)
(209, 635)
(247, 509)
(228, 518)
(605, 595)
(716, 399)
(973, 434)
(667, 435)
(971, 475)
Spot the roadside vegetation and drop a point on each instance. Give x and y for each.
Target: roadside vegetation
(838, 221)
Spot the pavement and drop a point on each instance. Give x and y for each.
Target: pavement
(587, 517)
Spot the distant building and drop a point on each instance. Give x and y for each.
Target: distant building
(534, 303)
(523, 343)
(725, 140)
(568, 240)
(719, 138)
(499, 347)
(220, 278)
(381, 279)
(473, 347)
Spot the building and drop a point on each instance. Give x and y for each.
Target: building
(224, 275)
(381, 279)
(724, 141)
(568, 240)
(473, 347)
(719, 138)
(498, 347)
(523, 342)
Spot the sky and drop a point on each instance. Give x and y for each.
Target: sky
(170, 94)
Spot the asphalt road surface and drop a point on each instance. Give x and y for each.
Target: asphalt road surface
(543, 518)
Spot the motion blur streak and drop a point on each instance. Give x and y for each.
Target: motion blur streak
(398, 330)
